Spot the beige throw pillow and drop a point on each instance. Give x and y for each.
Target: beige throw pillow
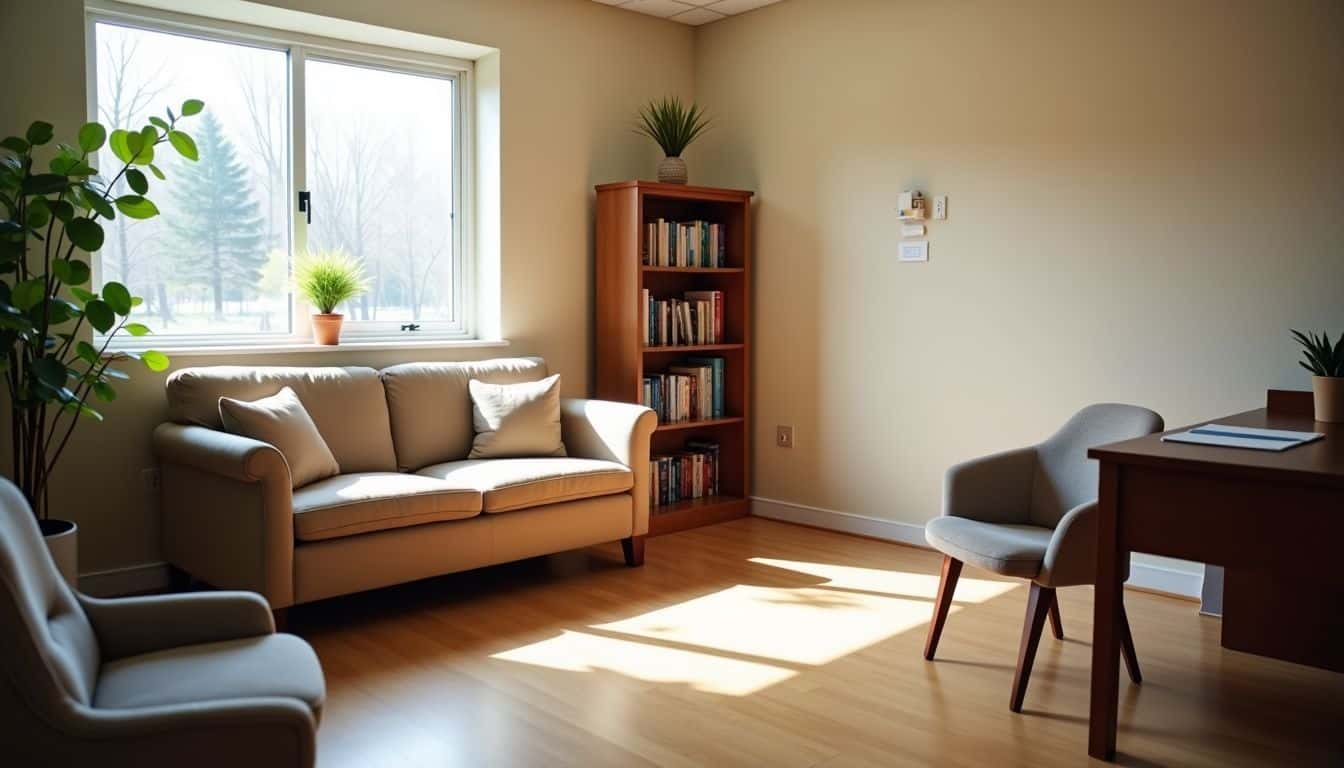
(282, 421)
(516, 420)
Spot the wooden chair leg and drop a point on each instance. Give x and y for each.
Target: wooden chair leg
(1127, 647)
(1056, 625)
(633, 549)
(947, 584)
(1038, 605)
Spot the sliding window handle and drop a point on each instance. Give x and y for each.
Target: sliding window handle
(306, 204)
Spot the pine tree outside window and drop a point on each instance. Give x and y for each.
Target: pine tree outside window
(376, 139)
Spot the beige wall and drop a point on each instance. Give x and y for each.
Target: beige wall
(1144, 197)
(572, 72)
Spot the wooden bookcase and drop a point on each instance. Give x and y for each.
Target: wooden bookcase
(622, 358)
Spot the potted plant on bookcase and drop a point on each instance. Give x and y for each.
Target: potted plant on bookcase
(1325, 361)
(50, 211)
(328, 279)
(674, 126)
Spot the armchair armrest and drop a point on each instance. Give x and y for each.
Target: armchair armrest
(1071, 557)
(619, 432)
(228, 510)
(991, 489)
(135, 625)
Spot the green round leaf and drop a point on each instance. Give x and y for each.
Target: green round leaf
(120, 144)
(86, 234)
(86, 352)
(136, 329)
(73, 272)
(154, 360)
(38, 213)
(50, 371)
(191, 107)
(137, 207)
(137, 181)
(100, 315)
(40, 133)
(91, 137)
(15, 144)
(184, 145)
(159, 122)
(118, 298)
(157, 173)
(104, 391)
(83, 295)
(99, 204)
(28, 294)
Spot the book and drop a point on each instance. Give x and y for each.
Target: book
(694, 319)
(1233, 436)
(683, 244)
(691, 473)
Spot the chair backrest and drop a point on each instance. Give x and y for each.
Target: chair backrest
(50, 650)
(1065, 477)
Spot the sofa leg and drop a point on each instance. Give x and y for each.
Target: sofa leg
(633, 548)
(281, 616)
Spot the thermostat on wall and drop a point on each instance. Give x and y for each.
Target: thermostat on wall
(917, 250)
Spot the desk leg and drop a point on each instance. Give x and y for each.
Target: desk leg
(1106, 618)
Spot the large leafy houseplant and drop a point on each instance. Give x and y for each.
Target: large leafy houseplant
(52, 214)
(673, 125)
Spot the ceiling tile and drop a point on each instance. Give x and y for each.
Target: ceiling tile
(698, 16)
(739, 6)
(663, 8)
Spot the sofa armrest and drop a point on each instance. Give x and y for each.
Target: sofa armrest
(612, 431)
(991, 489)
(134, 625)
(227, 510)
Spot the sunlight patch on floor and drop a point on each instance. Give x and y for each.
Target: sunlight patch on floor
(904, 583)
(584, 652)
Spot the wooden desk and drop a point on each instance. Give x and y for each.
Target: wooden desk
(1274, 521)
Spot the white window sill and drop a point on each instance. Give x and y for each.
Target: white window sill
(293, 347)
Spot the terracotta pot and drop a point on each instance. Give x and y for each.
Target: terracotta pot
(672, 170)
(62, 538)
(327, 329)
(1328, 392)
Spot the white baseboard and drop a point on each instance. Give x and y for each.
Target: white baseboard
(130, 580)
(1141, 575)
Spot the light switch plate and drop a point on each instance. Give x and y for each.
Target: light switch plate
(940, 207)
(784, 436)
(912, 230)
(917, 250)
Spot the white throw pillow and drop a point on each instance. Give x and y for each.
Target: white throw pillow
(516, 420)
(282, 421)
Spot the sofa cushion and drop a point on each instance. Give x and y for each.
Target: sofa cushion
(516, 420)
(509, 484)
(282, 421)
(253, 668)
(346, 505)
(430, 408)
(347, 405)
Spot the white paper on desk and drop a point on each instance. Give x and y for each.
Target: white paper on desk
(1233, 436)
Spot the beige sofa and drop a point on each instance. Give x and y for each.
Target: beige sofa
(408, 504)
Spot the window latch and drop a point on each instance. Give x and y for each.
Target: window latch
(410, 326)
(306, 204)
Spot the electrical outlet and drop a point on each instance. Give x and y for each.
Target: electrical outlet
(784, 436)
(940, 207)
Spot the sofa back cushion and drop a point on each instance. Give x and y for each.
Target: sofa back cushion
(347, 405)
(430, 406)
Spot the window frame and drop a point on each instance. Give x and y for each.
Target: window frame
(299, 48)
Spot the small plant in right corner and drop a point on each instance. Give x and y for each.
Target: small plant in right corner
(1321, 357)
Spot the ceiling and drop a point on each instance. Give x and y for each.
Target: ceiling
(693, 12)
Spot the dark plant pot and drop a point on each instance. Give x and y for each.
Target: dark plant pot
(62, 537)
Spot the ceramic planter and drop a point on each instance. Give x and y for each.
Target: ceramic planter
(672, 170)
(62, 538)
(1328, 392)
(327, 329)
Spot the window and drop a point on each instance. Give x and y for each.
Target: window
(373, 137)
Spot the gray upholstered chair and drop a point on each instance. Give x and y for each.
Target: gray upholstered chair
(196, 680)
(1032, 513)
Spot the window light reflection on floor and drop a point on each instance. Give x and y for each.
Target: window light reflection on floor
(744, 638)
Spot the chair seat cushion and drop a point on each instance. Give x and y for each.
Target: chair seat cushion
(254, 667)
(346, 505)
(509, 484)
(1012, 550)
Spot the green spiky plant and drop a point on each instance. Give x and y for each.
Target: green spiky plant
(672, 124)
(328, 278)
(1322, 357)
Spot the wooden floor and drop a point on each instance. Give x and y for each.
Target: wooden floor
(762, 643)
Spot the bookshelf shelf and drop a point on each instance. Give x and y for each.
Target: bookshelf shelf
(698, 423)
(623, 211)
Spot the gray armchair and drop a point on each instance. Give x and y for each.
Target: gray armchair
(199, 680)
(1032, 513)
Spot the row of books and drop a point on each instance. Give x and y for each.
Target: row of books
(692, 391)
(697, 318)
(683, 244)
(689, 474)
